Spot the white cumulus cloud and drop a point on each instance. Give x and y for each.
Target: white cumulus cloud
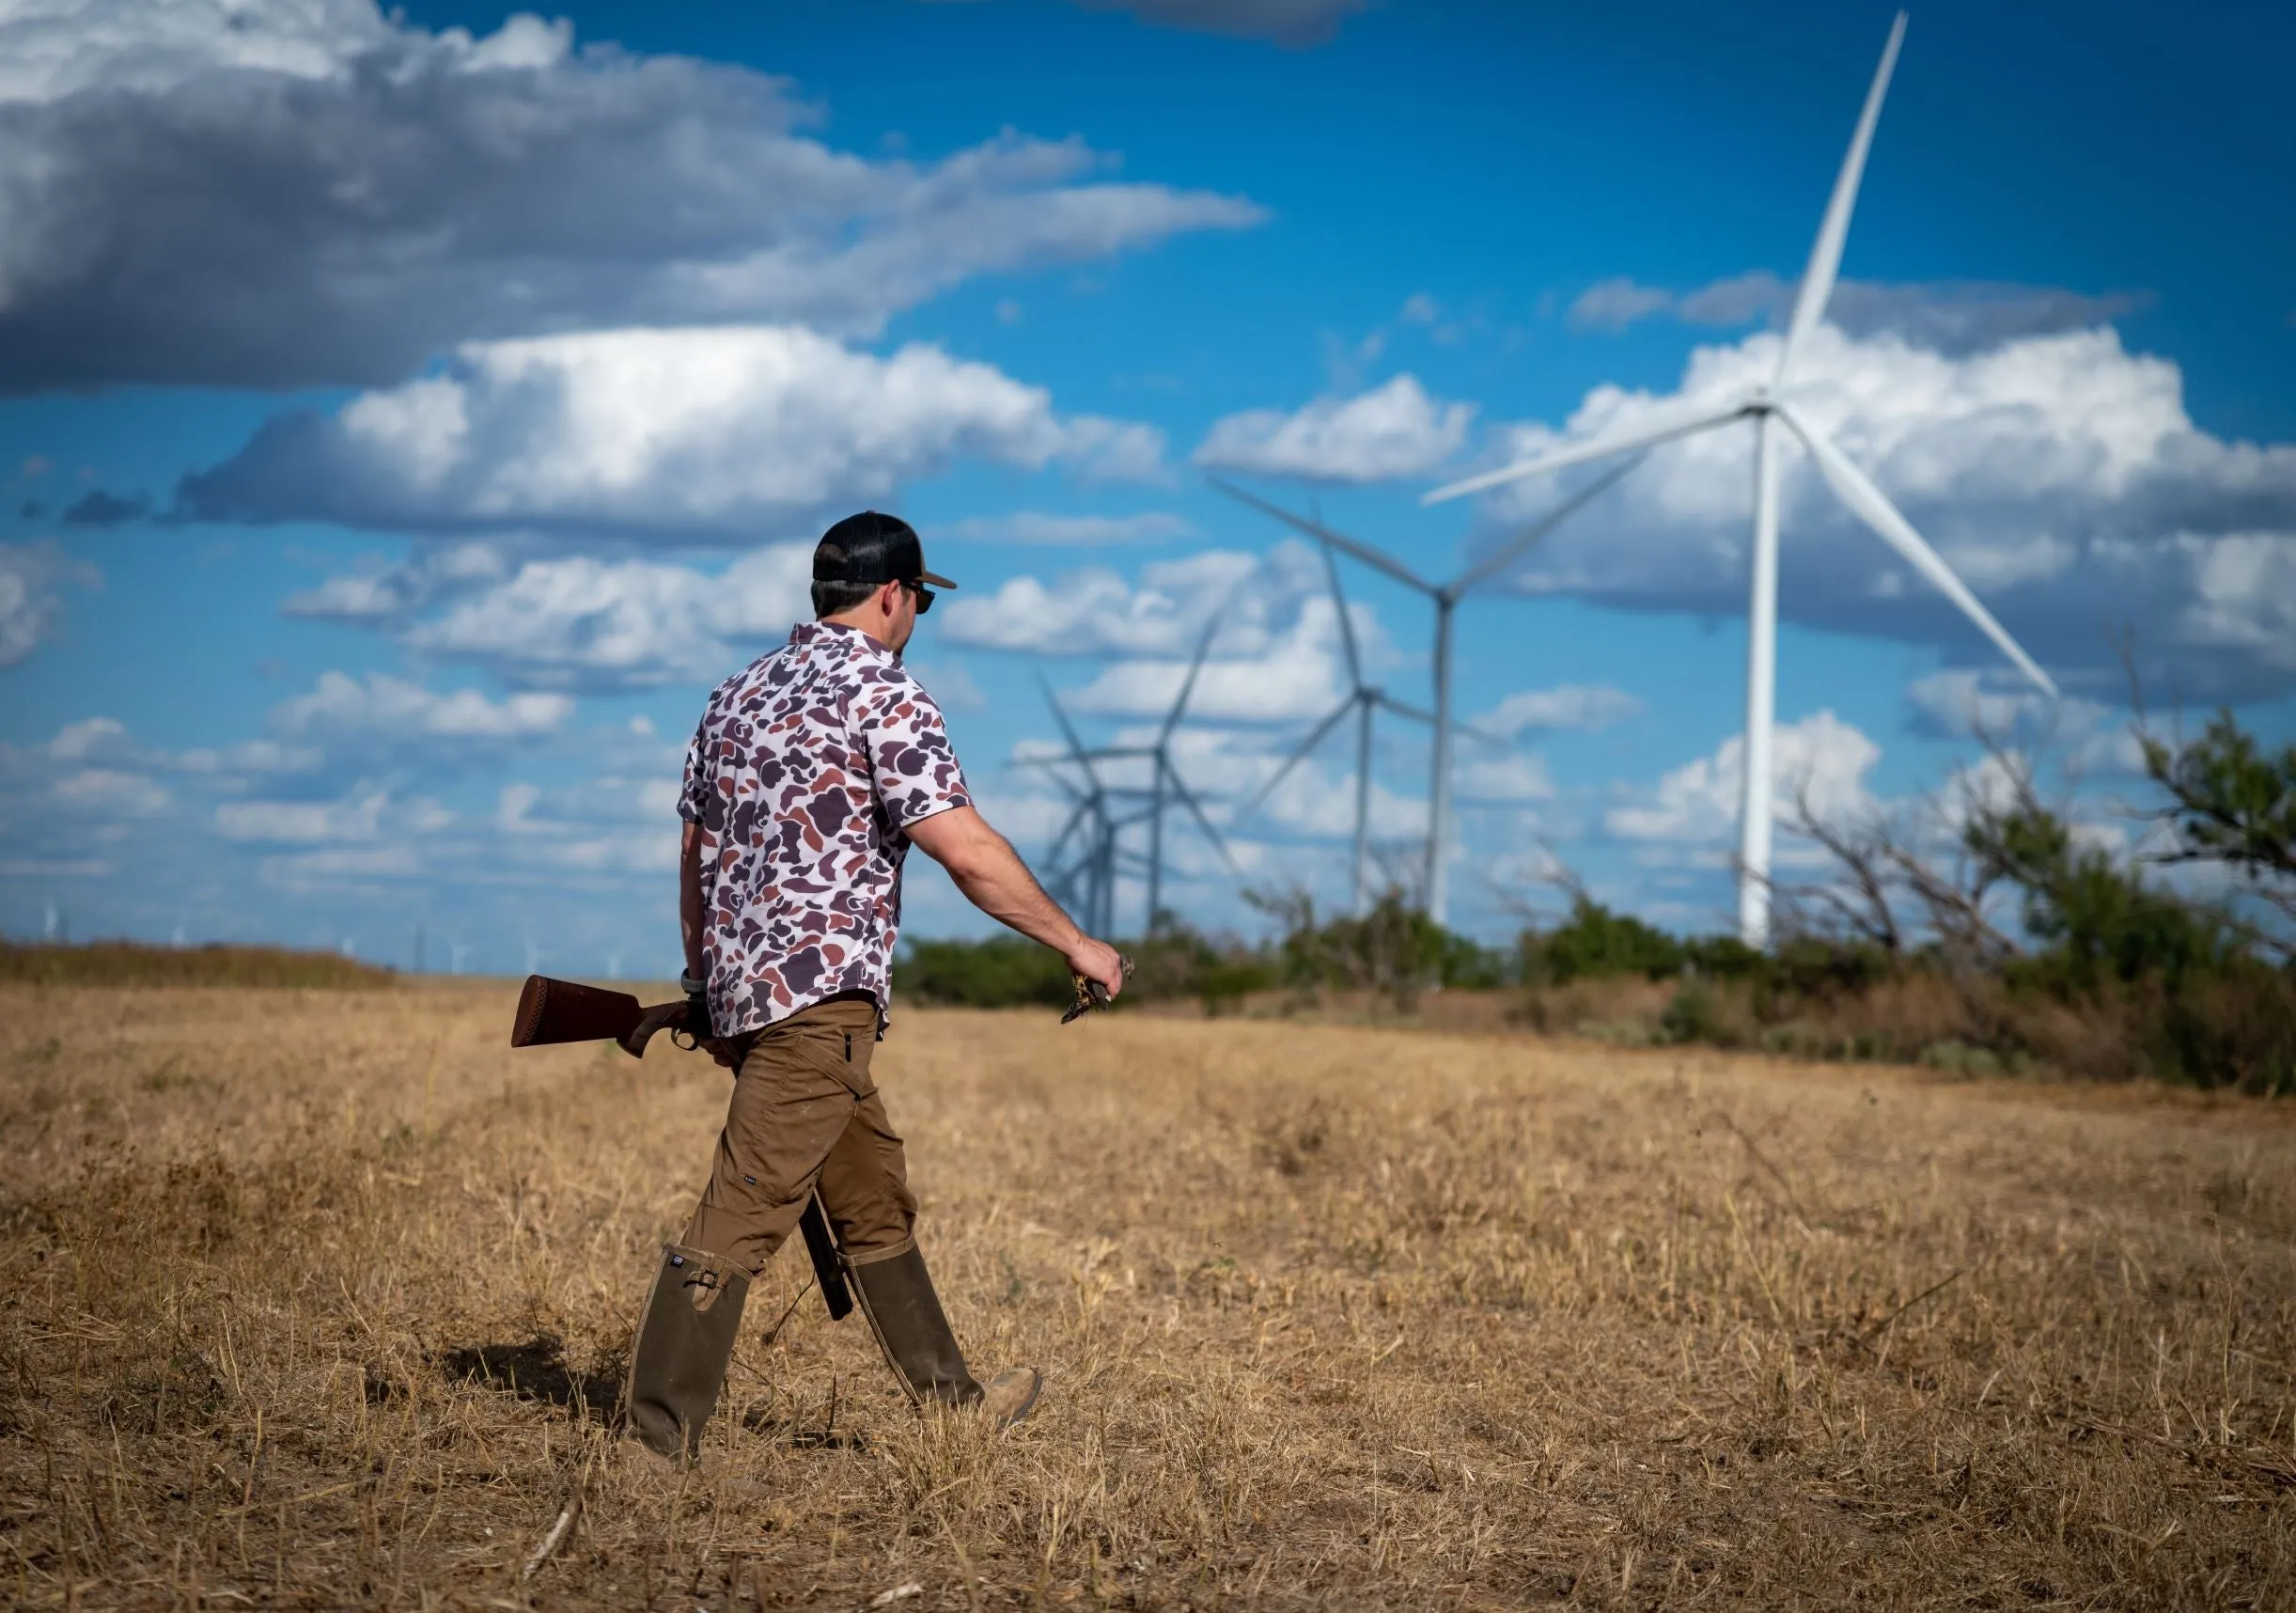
(1501, 779)
(381, 706)
(1698, 802)
(109, 793)
(1615, 304)
(1586, 706)
(1287, 673)
(304, 821)
(2060, 475)
(1040, 529)
(711, 434)
(31, 598)
(1947, 316)
(280, 192)
(1094, 611)
(579, 621)
(1391, 430)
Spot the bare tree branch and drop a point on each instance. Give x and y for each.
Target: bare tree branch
(1861, 851)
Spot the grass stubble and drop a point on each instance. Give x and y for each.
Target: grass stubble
(318, 1299)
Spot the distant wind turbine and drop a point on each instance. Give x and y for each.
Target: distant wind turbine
(1095, 871)
(1762, 405)
(1363, 699)
(1089, 882)
(1446, 598)
(1166, 784)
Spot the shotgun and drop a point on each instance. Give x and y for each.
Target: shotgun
(562, 1010)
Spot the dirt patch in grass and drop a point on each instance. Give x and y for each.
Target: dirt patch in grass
(321, 1302)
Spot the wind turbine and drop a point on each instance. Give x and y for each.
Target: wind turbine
(1094, 869)
(1446, 598)
(1166, 781)
(1104, 858)
(1764, 405)
(1363, 698)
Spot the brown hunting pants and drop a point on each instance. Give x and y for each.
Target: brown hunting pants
(806, 1115)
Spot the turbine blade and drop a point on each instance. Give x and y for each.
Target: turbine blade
(1420, 714)
(1507, 553)
(1195, 810)
(1187, 685)
(1825, 253)
(1076, 746)
(1059, 782)
(1060, 841)
(1314, 738)
(1671, 425)
(1339, 603)
(1323, 534)
(1871, 506)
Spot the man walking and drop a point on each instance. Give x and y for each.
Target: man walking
(813, 770)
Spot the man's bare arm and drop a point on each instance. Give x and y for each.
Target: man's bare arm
(994, 879)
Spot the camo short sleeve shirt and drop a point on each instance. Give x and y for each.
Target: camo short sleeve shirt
(808, 769)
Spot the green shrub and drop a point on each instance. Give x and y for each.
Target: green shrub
(1722, 957)
(1469, 965)
(1000, 971)
(1690, 1016)
(1224, 984)
(1595, 942)
(1008, 971)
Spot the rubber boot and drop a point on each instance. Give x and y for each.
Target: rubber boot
(897, 1295)
(685, 1339)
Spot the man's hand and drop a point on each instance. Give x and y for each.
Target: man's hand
(1097, 961)
(694, 849)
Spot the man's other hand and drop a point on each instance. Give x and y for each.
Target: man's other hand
(1097, 960)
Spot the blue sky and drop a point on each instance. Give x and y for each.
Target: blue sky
(407, 419)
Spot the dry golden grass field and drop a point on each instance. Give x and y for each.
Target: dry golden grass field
(316, 1299)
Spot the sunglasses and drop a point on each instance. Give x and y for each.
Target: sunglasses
(925, 596)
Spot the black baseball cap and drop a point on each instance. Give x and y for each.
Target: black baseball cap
(871, 547)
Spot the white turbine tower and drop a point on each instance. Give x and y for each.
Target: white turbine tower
(1765, 405)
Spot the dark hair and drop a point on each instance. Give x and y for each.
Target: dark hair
(836, 599)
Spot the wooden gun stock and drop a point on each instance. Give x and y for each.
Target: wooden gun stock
(563, 1010)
